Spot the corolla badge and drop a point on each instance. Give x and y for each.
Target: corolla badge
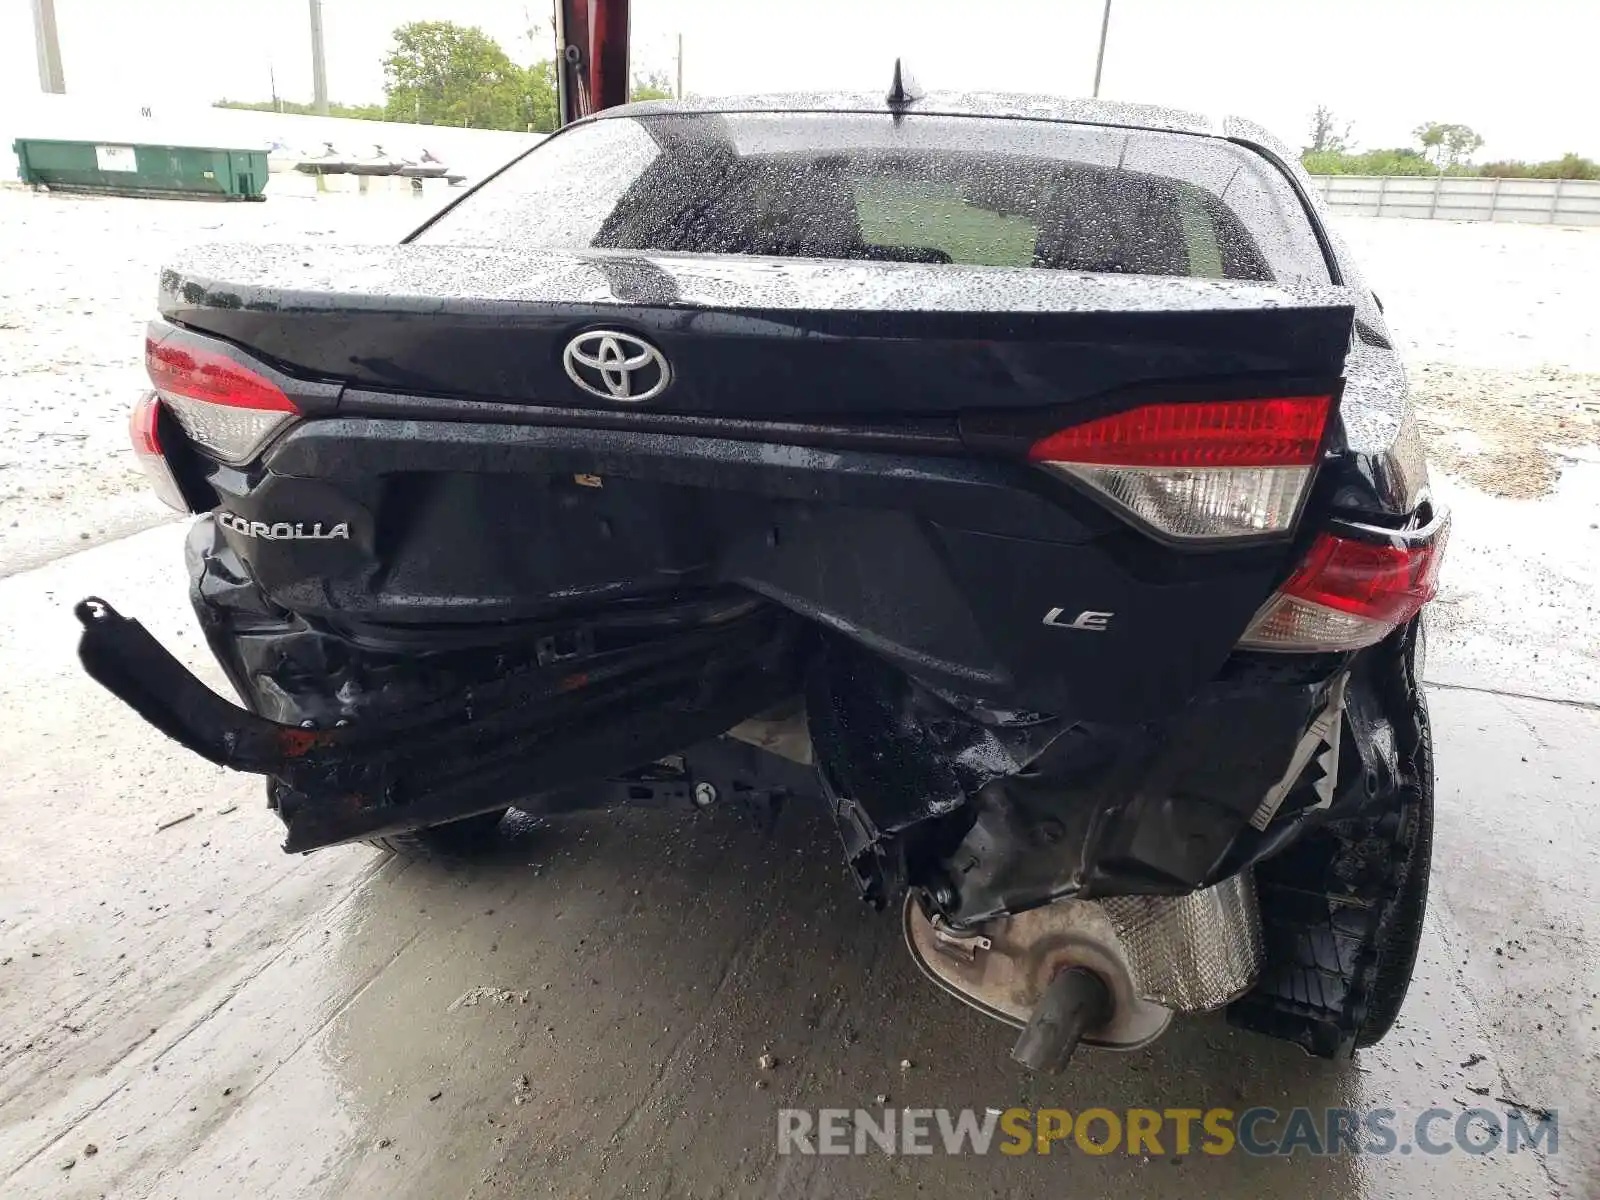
(284, 531)
(616, 366)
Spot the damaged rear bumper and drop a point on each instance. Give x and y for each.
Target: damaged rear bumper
(366, 730)
(511, 729)
(1018, 839)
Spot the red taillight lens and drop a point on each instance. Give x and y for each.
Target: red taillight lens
(1347, 594)
(1386, 583)
(228, 409)
(1232, 468)
(201, 375)
(1283, 432)
(144, 431)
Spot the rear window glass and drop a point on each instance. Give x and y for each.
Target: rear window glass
(925, 189)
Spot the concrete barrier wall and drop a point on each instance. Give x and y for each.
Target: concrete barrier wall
(1463, 198)
(472, 152)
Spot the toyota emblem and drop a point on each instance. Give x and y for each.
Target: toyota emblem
(616, 366)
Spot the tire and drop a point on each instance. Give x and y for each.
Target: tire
(455, 841)
(1400, 934)
(1342, 908)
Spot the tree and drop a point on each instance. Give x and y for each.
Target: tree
(1326, 135)
(543, 116)
(1447, 145)
(1461, 143)
(1568, 166)
(655, 86)
(1431, 135)
(441, 73)
(360, 112)
(1404, 161)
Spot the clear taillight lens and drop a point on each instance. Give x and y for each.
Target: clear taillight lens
(1201, 470)
(1350, 593)
(227, 409)
(144, 431)
(1203, 503)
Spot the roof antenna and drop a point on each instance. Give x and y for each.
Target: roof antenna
(904, 90)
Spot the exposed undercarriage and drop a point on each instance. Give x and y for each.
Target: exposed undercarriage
(1166, 866)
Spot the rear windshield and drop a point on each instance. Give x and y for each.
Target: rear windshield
(925, 189)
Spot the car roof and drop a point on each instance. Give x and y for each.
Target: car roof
(1115, 114)
(967, 104)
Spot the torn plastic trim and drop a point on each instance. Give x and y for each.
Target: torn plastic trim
(526, 732)
(1321, 740)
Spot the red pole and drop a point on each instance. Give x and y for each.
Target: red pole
(593, 69)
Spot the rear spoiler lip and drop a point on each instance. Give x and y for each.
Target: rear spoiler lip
(488, 281)
(785, 340)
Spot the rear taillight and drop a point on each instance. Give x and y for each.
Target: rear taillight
(1201, 470)
(228, 410)
(144, 430)
(1348, 593)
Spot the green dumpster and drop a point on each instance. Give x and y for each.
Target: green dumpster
(125, 169)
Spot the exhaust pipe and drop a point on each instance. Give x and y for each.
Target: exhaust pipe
(1109, 973)
(1076, 1001)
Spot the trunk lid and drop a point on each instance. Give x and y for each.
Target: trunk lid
(746, 336)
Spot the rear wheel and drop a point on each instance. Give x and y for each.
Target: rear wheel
(468, 838)
(1400, 933)
(1342, 908)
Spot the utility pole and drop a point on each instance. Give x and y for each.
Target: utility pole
(48, 46)
(680, 66)
(1100, 59)
(319, 70)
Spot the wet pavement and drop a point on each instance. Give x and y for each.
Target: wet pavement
(217, 1018)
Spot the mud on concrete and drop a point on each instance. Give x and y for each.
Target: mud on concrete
(1508, 433)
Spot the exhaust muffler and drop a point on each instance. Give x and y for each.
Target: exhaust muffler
(1108, 973)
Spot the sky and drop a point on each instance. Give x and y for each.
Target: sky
(1521, 73)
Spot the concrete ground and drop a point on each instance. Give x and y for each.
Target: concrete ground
(77, 285)
(213, 1017)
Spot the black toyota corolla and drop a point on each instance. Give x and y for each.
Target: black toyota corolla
(1031, 483)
